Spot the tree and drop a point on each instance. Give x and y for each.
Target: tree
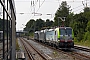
(87, 15)
(87, 34)
(63, 11)
(88, 26)
(86, 9)
(30, 25)
(48, 23)
(39, 24)
(79, 24)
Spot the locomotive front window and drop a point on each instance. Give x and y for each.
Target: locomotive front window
(62, 32)
(69, 31)
(66, 31)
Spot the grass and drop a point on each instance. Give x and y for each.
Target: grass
(31, 34)
(83, 43)
(17, 45)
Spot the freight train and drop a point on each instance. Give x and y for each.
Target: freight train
(61, 37)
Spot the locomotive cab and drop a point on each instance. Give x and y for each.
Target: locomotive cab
(65, 37)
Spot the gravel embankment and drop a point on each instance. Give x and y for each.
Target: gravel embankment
(52, 54)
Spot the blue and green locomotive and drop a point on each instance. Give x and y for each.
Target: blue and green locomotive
(65, 37)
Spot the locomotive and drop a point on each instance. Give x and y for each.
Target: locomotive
(61, 37)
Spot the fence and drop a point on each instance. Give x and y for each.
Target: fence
(8, 26)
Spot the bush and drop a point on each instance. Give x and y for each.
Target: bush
(87, 36)
(79, 36)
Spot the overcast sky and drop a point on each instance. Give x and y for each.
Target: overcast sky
(43, 7)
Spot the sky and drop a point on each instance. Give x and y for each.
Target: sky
(25, 10)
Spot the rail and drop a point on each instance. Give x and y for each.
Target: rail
(82, 48)
(74, 54)
(38, 51)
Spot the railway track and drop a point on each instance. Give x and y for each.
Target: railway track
(32, 52)
(76, 55)
(82, 48)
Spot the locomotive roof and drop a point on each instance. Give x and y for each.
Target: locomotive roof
(37, 32)
(44, 30)
(50, 29)
(65, 27)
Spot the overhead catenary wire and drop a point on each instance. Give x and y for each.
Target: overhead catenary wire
(39, 8)
(37, 1)
(58, 1)
(42, 4)
(80, 9)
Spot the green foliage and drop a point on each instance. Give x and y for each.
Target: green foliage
(88, 26)
(30, 25)
(63, 11)
(33, 25)
(79, 24)
(86, 9)
(87, 34)
(39, 24)
(83, 43)
(87, 15)
(48, 23)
